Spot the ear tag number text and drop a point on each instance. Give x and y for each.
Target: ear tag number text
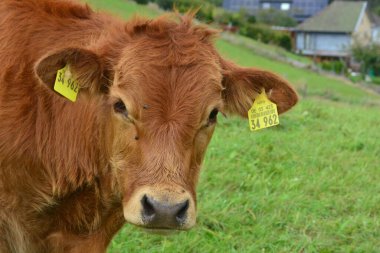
(66, 85)
(263, 113)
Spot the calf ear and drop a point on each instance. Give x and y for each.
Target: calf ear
(86, 68)
(242, 85)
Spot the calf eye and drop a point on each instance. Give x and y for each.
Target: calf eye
(212, 117)
(120, 107)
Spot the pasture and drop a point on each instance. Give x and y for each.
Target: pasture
(308, 185)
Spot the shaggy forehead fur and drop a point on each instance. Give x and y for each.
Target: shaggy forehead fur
(171, 68)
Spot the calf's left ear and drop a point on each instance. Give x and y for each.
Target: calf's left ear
(242, 85)
(86, 67)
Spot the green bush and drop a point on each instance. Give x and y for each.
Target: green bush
(368, 56)
(275, 17)
(326, 65)
(266, 35)
(251, 19)
(165, 4)
(142, 1)
(259, 32)
(376, 80)
(216, 2)
(337, 67)
(205, 12)
(356, 79)
(284, 41)
(376, 68)
(239, 19)
(221, 16)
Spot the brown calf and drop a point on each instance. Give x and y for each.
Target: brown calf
(130, 149)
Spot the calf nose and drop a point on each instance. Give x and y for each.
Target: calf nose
(157, 214)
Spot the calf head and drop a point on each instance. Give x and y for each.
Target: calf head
(167, 87)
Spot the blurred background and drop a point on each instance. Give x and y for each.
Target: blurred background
(312, 184)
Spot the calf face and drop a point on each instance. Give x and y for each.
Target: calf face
(167, 87)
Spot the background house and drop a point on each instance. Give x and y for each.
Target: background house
(332, 32)
(376, 34)
(298, 9)
(375, 20)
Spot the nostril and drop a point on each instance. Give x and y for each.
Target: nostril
(148, 209)
(181, 214)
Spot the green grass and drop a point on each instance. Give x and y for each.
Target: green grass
(308, 82)
(270, 49)
(122, 8)
(309, 185)
(376, 80)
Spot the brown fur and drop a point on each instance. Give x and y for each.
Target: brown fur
(67, 169)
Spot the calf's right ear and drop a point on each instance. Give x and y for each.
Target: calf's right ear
(85, 66)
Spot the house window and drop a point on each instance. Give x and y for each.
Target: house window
(309, 41)
(285, 6)
(266, 6)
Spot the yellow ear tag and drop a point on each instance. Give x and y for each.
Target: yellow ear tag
(66, 85)
(263, 113)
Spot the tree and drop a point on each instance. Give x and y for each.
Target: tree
(142, 1)
(165, 4)
(205, 12)
(216, 2)
(368, 56)
(276, 18)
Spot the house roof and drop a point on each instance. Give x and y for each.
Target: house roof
(337, 17)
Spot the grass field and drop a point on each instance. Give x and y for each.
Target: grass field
(311, 184)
